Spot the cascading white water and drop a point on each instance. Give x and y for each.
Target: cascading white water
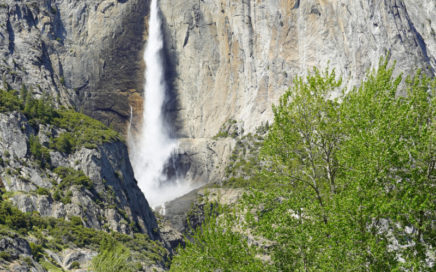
(153, 147)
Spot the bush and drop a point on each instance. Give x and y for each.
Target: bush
(76, 221)
(9, 101)
(5, 255)
(215, 247)
(57, 195)
(84, 130)
(63, 143)
(35, 146)
(36, 250)
(42, 191)
(71, 176)
(39, 152)
(75, 265)
(14, 218)
(113, 257)
(64, 234)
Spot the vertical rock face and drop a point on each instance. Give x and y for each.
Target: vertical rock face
(113, 202)
(226, 59)
(233, 59)
(86, 53)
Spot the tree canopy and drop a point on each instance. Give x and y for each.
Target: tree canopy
(347, 180)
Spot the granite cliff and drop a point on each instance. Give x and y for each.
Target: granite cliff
(231, 60)
(226, 60)
(227, 63)
(83, 53)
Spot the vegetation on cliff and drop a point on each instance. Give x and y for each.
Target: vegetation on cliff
(342, 182)
(33, 241)
(46, 233)
(79, 129)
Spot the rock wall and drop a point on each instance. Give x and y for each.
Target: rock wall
(113, 202)
(225, 59)
(233, 59)
(83, 53)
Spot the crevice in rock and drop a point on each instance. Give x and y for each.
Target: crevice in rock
(296, 5)
(11, 36)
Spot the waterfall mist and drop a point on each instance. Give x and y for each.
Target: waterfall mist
(152, 149)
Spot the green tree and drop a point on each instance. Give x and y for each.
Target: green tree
(301, 155)
(39, 152)
(350, 176)
(389, 155)
(35, 146)
(214, 246)
(113, 257)
(63, 143)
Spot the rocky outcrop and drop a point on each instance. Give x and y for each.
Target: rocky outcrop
(188, 212)
(233, 59)
(16, 255)
(67, 258)
(112, 202)
(81, 53)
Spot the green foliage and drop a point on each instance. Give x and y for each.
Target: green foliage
(76, 221)
(5, 255)
(9, 101)
(63, 143)
(39, 152)
(75, 265)
(58, 234)
(216, 247)
(337, 181)
(42, 191)
(51, 267)
(36, 250)
(81, 130)
(13, 218)
(113, 257)
(243, 170)
(340, 169)
(228, 129)
(38, 111)
(57, 195)
(71, 176)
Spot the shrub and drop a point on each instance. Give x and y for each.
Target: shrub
(5, 255)
(71, 176)
(35, 146)
(36, 250)
(113, 257)
(9, 101)
(63, 143)
(75, 265)
(76, 220)
(39, 152)
(42, 191)
(57, 195)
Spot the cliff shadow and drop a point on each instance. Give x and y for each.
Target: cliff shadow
(171, 104)
(179, 164)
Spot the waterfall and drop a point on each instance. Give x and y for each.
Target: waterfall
(152, 148)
